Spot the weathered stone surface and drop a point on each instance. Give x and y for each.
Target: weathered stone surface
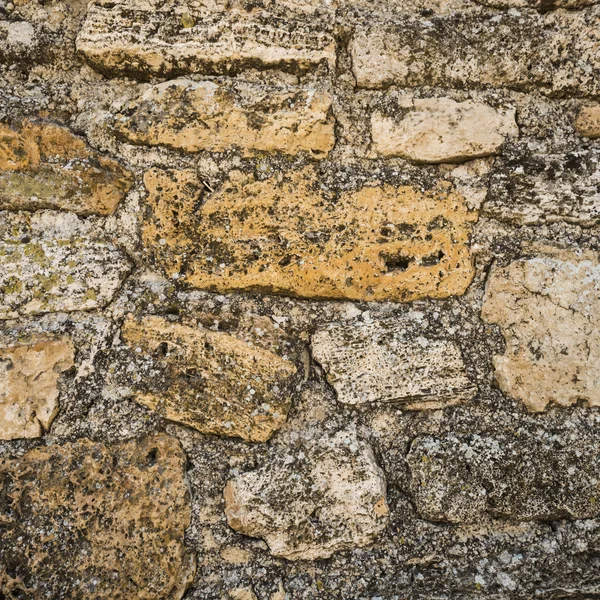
(328, 496)
(18, 40)
(442, 130)
(43, 165)
(142, 40)
(548, 309)
(557, 53)
(541, 5)
(29, 386)
(54, 274)
(379, 362)
(460, 478)
(210, 380)
(86, 520)
(528, 189)
(284, 236)
(214, 116)
(587, 122)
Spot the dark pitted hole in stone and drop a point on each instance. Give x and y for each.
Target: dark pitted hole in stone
(163, 349)
(396, 262)
(432, 259)
(152, 456)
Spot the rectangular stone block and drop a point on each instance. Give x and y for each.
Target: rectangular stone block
(283, 236)
(143, 41)
(219, 116)
(557, 52)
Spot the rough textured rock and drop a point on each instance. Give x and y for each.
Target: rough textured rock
(527, 188)
(212, 381)
(541, 5)
(461, 478)
(328, 496)
(54, 274)
(144, 39)
(587, 122)
(381, 362)
(18, 40)
(548, 309)
(43, 165)
(86, 520)
(557, 52)
(29, 386)
(215, 116)
(442, 130)
(283, 236)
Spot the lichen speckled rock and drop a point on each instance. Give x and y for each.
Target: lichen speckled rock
(146, 39)
(43, 165)
(209, 115)
(18, 40)
(548, 308)
(210, 380)
(283, 236)
(587, 122)
(87, 520)
(438, 130)
(29, 391)
(380, 362)
(327, 496)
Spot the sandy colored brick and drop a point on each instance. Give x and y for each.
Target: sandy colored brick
(380, 362)
(210, 380)
(142, 40)
(219, 116)
(282, 236)
(587, 122)
(440, 130)
(29, 392)
(43, 165)
(548, 308)
(102, 522)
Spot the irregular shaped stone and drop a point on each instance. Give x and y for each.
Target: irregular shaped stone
(43, 165)
(380, 362)
(29, 386)
(555, 53)
(208, 115)
(87, 520)
(541, 5)
(532, 476)
(528, 189)
(141, 40)
(18, 41)
(440, 130)
(587, 122)
(548, 309)
(53, 274)
(283, 236)
(210, 380)
(327, 495)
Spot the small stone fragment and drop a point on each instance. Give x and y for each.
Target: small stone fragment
(442, 130)
(325, 496)
(587, 122)
(548, 309)
(210, 380)
(53, 274)
(29, 386)
(84, 520)
(282, 236)
(378, 362)
(43, 165)
(209, 115)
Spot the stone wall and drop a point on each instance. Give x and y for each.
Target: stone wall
(299, 299)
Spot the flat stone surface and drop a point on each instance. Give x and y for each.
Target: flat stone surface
(18, 40)
(87, 520)
(587, 122)
(543, 477)
(381, 362)
(438, 130)
(43, 165)
(557, 52)
(209, 115)
(144, 39)
(210, 380)
(29, 392)
(54, 274)
(283, 236)
(548, 309)
(323, 496)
